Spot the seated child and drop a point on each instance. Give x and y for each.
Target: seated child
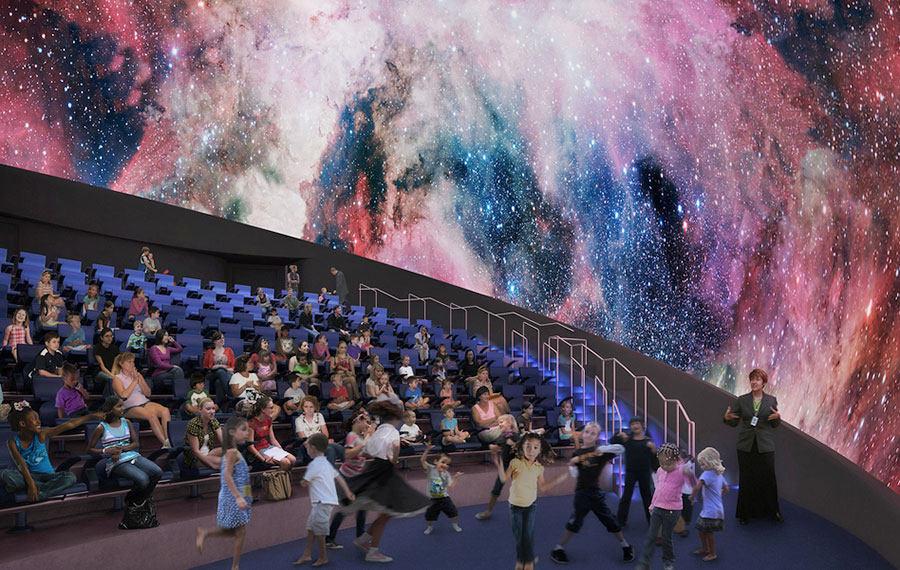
(70, 399)
(365, 326)
(413, 392)
(566, 421)
(137, 340)
(294, 394)
(410, 434)
(75, 342)
(340, 400)
(439, 484)
(274, 319)
(197, 394)
(320, 477)
(450, 425)
(438, 371)
(448, 393)
(405, 370)
(151, 323)
(323, 294)
(353, 350)
(525, 420)
(32, 472)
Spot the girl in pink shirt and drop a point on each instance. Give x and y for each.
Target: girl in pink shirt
(665, 508)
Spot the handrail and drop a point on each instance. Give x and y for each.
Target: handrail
(545, 358)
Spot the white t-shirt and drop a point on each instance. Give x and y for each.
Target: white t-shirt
(238, 380)
(294, 395)
(405, 371)
(309, 428)
(409, 432)
(381, 444)
(320, 475)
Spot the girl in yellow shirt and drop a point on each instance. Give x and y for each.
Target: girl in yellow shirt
(526, 470)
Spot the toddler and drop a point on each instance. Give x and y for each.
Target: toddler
(439, 484)
(450, 427)
(410, 434)
(711, 487)
(137, 340)
(75, 341)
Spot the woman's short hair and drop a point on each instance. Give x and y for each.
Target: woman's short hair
(480, 391)
(757, 374)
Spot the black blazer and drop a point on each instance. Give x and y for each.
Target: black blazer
(762, 433)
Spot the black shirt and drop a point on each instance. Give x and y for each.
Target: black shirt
(506, 450)
(467, 370)
(336, 322)
(107, 355)
(49, 362)
(590, 467)
(306, 320)
(363, 327)
(638, 455)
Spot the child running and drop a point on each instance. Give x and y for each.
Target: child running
(665, 508)
(527, 473)
(234, 495)
(711, 486)
(320, 477)
(439, 484)
(586, 466)
(379, 488)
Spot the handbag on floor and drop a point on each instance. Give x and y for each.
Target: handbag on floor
(139, 514)
(277, 485)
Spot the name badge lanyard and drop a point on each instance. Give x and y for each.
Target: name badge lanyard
(756, 407)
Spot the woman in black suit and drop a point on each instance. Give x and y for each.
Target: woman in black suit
(757, 414)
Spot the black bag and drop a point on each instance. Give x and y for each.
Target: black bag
(139, 514)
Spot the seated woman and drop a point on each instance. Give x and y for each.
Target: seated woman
(310, 422)
(306, 321)
(246, 386)
(486, 415)
(422, 339)
(469, 366)
(482, 379)
(117, 437)
(129, 385)
(219, 360)
(319, 349)
(343, 364)
(160, 355)
(203, 435)
(139, 305)
(373, 382)
(262, 300)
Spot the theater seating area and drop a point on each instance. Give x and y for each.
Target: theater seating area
(191, 310)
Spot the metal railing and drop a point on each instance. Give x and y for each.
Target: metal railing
(592, 378)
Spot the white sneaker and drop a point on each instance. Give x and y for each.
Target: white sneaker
(457, 528)
(429, 529)
(362, 542)
(377, 557)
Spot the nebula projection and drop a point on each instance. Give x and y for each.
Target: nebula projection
(712, 183)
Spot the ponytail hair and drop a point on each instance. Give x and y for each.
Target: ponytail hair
(233, 423)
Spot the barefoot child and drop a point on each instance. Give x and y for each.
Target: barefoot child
(526, 471)
(665, 508)
(320, 477)
(234, 495)
(439, 484)
(587, 465)
(711, 487)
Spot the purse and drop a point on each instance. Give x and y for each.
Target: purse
(139, 514)
(277, 485)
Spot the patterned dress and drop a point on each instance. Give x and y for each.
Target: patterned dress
(229, 515)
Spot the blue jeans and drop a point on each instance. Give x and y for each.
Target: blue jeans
(312, 334)
(47, 484)
(659, 518)
(522, 521)
(219, 378)
(144, 473)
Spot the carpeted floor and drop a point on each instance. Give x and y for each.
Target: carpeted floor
(803, 541)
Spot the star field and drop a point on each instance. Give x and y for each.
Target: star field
(712, 183)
